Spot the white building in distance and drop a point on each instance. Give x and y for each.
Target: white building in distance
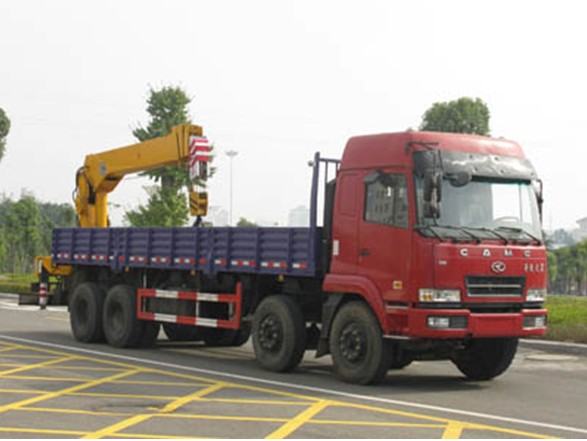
(299, 217)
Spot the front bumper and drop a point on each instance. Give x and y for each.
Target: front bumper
(468, 324)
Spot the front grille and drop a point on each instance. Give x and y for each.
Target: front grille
(490, 286)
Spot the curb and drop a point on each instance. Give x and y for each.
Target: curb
(558, 347)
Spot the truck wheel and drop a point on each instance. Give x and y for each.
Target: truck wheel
(486, 358)
(175, 332)
(279, 333)
(359, 352)
(121, 326)
(226, 337)
(85, 313)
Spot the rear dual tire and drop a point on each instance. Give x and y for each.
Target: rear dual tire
(85, 313)
(122, 328)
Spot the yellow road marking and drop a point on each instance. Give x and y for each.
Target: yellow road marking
(524, 434)
(267, 402)
(28, 356)
(6, 349)
(161, 383)
(48, 379)
(453, 430)
(298, 421)
(444, 420)
(21, 391)
(151, 436)
(305, 417)
(252, 419)
(41, 431)
(30, 367)
(70, 390)
(90, 368)
(111, 430)
(73, 411)
(173, 406)
(376, 424)
(139, 396)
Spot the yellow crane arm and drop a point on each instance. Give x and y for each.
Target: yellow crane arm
(102, 172)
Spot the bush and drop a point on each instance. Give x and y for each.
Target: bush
(567, 318)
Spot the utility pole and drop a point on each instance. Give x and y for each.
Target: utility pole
(231, 154)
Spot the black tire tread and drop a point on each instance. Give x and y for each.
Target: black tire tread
(376, 362)
(93, 295)
(294, 341)
(123, 296)
(486, 358)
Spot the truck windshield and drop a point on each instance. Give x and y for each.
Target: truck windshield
(484, 209)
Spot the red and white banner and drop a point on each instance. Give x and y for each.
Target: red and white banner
(199, 157)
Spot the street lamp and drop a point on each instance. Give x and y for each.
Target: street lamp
(231, 154)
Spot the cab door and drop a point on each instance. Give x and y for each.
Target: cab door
(384, 251)
(347, 211)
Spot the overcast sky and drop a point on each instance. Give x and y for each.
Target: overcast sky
(277, 81)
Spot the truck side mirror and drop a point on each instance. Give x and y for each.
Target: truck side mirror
(432, 194)
(539, 196)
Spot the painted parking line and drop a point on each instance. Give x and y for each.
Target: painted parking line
(189, 398)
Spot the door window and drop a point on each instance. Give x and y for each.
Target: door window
(386, 199)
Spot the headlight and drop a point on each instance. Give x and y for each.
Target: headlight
(536, 295)
(429, 295)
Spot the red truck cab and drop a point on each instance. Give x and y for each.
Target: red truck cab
(440, 234)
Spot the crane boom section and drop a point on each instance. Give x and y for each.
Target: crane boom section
(102, 172)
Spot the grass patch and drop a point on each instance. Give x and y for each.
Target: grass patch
(16, 283)
(567, 318)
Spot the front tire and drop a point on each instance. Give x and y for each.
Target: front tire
(279, 333)
(85, 313)
(359, 353)
(486, 358)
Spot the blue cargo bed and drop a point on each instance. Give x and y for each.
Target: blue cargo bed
(271, 250)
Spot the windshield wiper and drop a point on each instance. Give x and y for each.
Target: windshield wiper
(464, 230)
(450, 227)
(495, 233)
(519, 230)
(429, 228)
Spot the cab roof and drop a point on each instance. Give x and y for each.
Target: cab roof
(394, 149)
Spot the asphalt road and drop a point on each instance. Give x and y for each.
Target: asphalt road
(52, 386)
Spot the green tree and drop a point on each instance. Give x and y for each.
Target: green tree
(244, 222)
(53, 216)
(165, 208)
(22, 232)
(25, 230)
(4, 129)
(552, 269)
(465, 115)
(166, 108)
(167, 205)
(3, 251)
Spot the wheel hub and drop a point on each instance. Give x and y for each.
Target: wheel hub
(353, 343)
(270, 334)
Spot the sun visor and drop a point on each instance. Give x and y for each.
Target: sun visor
(481, 165)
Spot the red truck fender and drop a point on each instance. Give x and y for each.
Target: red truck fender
(334, 283)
